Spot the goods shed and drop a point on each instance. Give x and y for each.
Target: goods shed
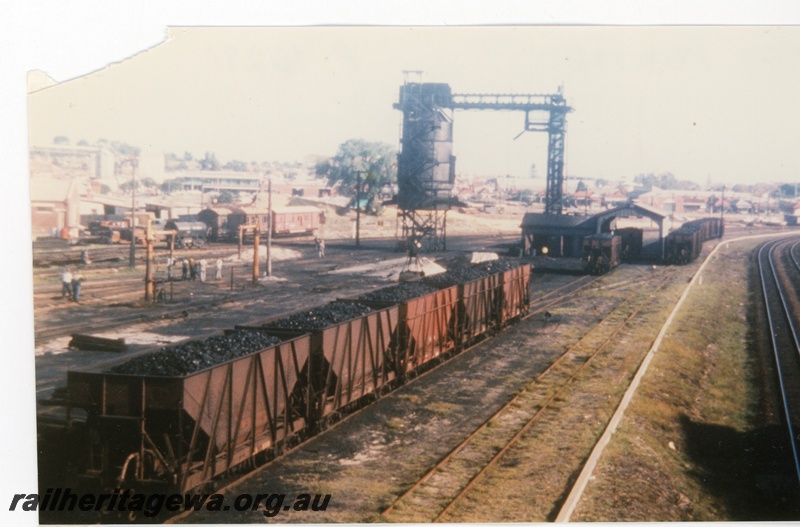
(561, 235)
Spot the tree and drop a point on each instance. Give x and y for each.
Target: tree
(374, 161)
(61, 140)
(226, 196)
(788, 190)
(666, 181)
(209, 162)
(171, 185)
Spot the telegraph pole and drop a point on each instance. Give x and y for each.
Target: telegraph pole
(358, 209)
(132, 263)
(149, 283)
(256, 243)
(269, 227)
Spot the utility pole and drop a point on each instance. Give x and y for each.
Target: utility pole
(149, 283)
(256, 243)
(269, 227)
(358, 208)
(722, 208)
(134, 162)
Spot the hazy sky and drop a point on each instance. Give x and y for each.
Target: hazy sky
(700, 102)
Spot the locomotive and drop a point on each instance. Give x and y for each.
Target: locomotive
(603, 252)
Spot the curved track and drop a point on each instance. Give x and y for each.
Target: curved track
(779, 270)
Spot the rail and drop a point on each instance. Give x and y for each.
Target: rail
(772, 319)
(575, 360)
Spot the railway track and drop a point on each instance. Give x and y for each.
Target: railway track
(542, 302)
(779, 270)
(451, 481)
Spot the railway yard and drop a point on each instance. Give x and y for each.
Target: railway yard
(502, 429)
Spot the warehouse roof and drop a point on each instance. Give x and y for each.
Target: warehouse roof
(533, 219)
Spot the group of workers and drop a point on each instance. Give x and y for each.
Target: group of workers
(192, 269)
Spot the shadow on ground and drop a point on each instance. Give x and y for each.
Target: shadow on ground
(751, 472)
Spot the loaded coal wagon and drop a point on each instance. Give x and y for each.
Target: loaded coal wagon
(683, 245)
(173, 419)
(349, 361)
(490, 295)
(427, 318)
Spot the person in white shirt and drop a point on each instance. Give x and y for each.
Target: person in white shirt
(66, 283)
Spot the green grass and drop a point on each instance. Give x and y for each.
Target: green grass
(699, 394)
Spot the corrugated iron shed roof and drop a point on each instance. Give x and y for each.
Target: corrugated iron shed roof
(535, 219)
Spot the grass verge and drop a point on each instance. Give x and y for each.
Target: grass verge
(694, 445)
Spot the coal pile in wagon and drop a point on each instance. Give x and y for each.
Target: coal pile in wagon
(398, 293)
(193, 356)
(321, 317)
(461, 272)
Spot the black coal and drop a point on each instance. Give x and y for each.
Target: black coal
(460, 272)
(321, 317)
(398, 293)
(196, 355)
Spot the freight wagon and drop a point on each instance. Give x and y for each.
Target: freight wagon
(632, 239)
(173, 420)
(683, 245)
(286, 221)
(601, 253)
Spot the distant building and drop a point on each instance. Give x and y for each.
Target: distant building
(218, 180)
(96, 162)
(55, 204)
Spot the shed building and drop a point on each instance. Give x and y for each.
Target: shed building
(562, 235)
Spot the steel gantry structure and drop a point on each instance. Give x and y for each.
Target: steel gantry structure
(543, 113)
(426, 166)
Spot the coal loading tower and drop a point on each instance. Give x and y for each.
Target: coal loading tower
(425, 165)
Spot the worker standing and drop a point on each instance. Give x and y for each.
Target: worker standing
(76, 286)
(66, 283)
(218, 274)
(184, 269)
(203, 267)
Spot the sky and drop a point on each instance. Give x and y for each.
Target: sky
(705, 103)
(696, 101)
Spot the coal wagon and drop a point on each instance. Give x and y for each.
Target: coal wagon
(684, 244)
(173, 429)
(601, 253)
(175, 419)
